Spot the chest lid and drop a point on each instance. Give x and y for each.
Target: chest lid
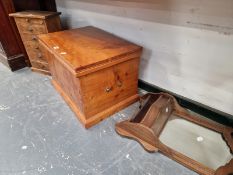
(87, 47)
(35, 14)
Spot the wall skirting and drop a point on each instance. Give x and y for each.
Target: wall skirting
(197, 107)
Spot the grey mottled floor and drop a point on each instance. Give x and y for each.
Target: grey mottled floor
(39, 134)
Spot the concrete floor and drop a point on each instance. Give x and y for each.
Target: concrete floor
(41, 135)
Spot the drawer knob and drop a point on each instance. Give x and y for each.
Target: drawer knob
(27, 20)
(108, 89)
(39, 55)
(34, 38)
(37, 47)
(119, 83)
(30, 29)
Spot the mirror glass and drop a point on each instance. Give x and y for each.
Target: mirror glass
(196, 142)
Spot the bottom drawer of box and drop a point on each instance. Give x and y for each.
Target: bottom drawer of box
(36, 55)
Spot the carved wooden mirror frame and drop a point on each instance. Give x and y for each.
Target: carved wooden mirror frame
(147, 125)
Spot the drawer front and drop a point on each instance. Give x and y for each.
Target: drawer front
(104, 88)
(34, 51)
(30, 21)
(40, 65)
(29, 37)
(33, 45)
(26, 25)
(36, 55)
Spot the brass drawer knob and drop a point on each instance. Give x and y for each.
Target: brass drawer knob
(27, 20)
(108, 89)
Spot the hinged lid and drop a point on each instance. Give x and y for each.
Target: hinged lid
(87, 47)
(35, 14)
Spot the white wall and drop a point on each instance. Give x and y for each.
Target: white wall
(188, 45)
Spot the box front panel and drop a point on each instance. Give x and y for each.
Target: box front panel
(107, 87)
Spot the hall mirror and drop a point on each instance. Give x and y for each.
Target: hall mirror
(198, 143)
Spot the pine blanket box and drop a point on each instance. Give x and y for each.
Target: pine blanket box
(30, 24)
(94, 71)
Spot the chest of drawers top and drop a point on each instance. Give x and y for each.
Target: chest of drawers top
(36, 22)
(35, 14)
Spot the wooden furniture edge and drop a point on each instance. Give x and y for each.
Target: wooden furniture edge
(107, 64)
(14, 56)
(226, 169)
(34, 16)
(120, 129)
(189, 162)
(159, 146)
(55, 55)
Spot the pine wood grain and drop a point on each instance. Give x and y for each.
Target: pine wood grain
(95, 71)
(87, 47)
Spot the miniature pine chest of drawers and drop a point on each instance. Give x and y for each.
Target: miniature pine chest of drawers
(30, 24)
(95, 72)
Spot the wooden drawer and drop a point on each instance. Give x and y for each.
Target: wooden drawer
(36, 55)
(31, 21)
(33, 26)
(34, 44)
(29, 37)
(106, 87)
(40, 65)
(33, 50)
